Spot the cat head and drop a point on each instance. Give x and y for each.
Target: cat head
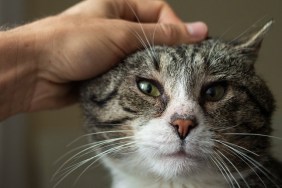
(170, 111)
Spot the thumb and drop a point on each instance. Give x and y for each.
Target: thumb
(172, 34)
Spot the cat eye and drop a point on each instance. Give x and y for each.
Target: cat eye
(148, 88)
(215, 92)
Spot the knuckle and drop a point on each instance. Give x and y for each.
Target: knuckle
(169, 31)
(162, 3)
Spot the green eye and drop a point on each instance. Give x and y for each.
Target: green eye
(148, 88)
(215, 92)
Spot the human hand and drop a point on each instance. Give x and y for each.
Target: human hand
(91, 37)
(95, 35)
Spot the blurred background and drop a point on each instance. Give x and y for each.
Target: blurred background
(31, 143)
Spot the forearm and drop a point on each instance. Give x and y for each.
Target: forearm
(29, 57)
(18, 70)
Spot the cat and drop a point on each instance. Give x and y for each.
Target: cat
(187, 116)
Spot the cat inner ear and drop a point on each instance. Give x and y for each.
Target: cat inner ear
(250, 43)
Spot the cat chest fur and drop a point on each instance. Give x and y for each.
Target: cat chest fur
(122, 180)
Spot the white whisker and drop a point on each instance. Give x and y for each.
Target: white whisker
(221, 169)
(98, 143)
(146, 42)
(99, 156)
(86, 150)
(248, 29)
(234, 168)
(242, 158)
(227, 169)
(228, 145)
(260, 167)
(252, 161)
(96, 133)
(254, 134)
(224, 129)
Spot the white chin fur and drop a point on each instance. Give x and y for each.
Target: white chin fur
(156, 159)
(158, 145)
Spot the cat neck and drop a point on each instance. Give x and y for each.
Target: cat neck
(122, 179)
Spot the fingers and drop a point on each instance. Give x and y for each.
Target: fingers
(169, 28)
(148, 11)
(170, 34)
(197, 31)
(144, 11)
(95, 9)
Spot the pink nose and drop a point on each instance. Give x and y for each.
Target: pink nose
(183, 127)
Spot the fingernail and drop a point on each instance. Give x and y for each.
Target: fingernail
(197, 29)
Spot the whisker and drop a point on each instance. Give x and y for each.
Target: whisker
(150, 51)
(153, 39)
(96, 133)
(72, 168)
(102, 123)
(261, 168)
(96, 149)
(86, 145)
(255, 163)
(214, 45)
(242, 158)
(147, 43)
(228, 172)
(228, 143)
(248, 29)
(254, 134)
(71, 151)
(211, 50)
(223, 129)
(117, 148)
(234, 168)
(87, 149)
(221, 169)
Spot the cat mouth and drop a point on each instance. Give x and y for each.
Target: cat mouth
(181, 154)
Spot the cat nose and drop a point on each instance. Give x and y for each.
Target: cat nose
(183, 127)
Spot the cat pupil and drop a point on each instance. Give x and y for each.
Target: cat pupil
(148, 88)
(215, 93)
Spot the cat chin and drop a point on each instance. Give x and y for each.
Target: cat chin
(171, 167)
(166, 167)
(166, 156)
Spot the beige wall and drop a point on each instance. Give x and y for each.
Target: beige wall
(51, 131)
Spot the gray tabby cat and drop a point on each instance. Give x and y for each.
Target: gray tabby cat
(189, 116)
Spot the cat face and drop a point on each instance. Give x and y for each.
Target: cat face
(174, 111)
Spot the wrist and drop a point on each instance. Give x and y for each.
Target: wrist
(18, 70)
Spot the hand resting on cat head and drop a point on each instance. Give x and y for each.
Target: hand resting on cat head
(194, 115)
(42, 61)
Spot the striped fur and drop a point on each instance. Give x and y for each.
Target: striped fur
(229, 147)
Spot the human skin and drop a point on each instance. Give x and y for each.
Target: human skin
(42, 61)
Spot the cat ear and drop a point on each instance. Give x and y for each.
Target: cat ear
(249, 44)
(254, 39)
